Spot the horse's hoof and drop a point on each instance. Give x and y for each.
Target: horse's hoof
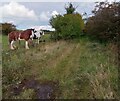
(12, 49)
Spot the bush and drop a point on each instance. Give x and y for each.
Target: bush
(7, 28)
(104, 25)
(68, 26)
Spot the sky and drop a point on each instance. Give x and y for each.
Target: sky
(37, 14)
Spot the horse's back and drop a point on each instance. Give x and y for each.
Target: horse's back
(26, 34)
(13, 35)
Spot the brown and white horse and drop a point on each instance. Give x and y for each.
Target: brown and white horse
(24, 35)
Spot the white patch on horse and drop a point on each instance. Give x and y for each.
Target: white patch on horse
(43, 33)
(11, 45)
(38, 41)
(31, 36)
(26, 45)
(19, 37)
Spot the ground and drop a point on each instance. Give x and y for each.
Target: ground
(0, 66)
(73, 69)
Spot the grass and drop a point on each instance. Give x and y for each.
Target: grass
(84, 69)
(0, 38)
(0, 66)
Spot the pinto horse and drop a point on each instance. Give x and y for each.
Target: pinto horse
(38, 34)
(24, 35)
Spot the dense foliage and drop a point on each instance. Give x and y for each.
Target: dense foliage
(68, 26)
(105, 24)
(70, 9)
(7, 27)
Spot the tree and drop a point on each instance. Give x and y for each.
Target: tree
(70, 9)
(7, 27)
(105, 24)
(67, 26)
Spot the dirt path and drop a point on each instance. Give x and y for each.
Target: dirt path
(41, 89)
(53, 54)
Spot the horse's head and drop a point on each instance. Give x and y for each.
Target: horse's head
(38, 33)
(41, 32)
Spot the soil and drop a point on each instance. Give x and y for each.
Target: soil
(43, 89)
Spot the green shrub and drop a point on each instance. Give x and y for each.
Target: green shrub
(67, 26)
(104, 25)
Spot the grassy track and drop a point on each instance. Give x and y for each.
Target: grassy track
(83, 69)
(0, 66)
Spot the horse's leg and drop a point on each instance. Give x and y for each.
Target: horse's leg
(38, 40)
(19, 42)
(11, 45)
(26, 45)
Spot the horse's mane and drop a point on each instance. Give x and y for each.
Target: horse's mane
(30, 29)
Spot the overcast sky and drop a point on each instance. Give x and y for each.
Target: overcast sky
(32, 14)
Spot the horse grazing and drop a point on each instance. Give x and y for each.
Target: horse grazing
(24, 35)
(38, 34)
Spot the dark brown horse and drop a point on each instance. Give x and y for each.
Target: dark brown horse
(24, 35)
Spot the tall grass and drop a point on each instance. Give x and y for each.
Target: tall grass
(0, 66)
(84, 69)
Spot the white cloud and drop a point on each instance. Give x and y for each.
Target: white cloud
(54, 13)
(11, 21)
(14, 9)
(45, 27)
(55, 0)
(45, 16)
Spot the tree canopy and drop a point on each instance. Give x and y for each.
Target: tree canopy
(7, 27)
(70, 9)
(105, 24)
(67, 26)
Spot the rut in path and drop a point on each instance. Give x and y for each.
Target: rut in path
(43, 89)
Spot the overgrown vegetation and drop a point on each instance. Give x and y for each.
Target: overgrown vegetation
(67, 26)
(7, 28)
(83, 69)
(104, 25)
(70, 9)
